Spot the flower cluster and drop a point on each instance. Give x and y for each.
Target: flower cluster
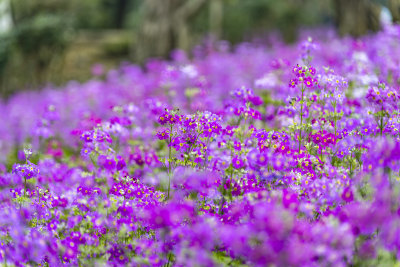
(230, 159)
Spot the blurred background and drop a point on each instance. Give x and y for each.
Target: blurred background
(53, 41)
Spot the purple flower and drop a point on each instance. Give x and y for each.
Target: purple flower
(312, 71)
(237, 163)
(163, 119)
(237, 146)
(347, 195)
(308, 82)
(52, 225)
(293, 83)
(120, 163)
(162, 135)
(107, 162)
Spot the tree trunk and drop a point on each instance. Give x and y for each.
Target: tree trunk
(394, 7)
(356, 17)
(120, 13)
(165, 27)
(181, 22)
(181, 30)
(154, 37)
(216, 18)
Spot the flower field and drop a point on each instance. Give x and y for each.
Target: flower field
(257, 155)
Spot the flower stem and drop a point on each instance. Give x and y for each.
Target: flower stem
(24, 186)
(169, 162)
(301, 115)
(221, 212)
(334, 116)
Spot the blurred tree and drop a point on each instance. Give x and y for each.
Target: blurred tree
(121, 11)
(357, 17)
(40, 40)
(24, 10)
(42, 28)
(243, 20)
(394, 7)
(164, 27)
(91, 14)
(232, 20)
(37, 40)
(101, 14)
(216, 18)
(5, 16)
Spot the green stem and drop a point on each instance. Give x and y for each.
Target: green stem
(243, 135)
(334, 116)
(25, 187)
(169, 260)
(221, 212)
(206, 154)
(301, 114)
(191, 147)
(351, 167)
(169, 162)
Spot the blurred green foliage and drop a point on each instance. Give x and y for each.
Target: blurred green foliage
(93, 14)
(39, 36)
(44, 29)
(5, 49)
(42, 33)
(244, 19)
(102, 14)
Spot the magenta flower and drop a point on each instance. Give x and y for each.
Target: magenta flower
(308, 82)
(312, 71)
(237, 163)
(120, 163)
(163, 119)
(107, 162)
(293, 83)
(347, 195)
(52, 225)
(237, 146)
(162, 135)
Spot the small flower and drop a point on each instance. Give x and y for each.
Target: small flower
(85, 152)
(161, 120)
(87, 137)
(308, 82)
(162, 135)
(237, 163)
(237, 146)
(26, 171)
(339, 96)
(107, 163)
(120, 163)
(347, 195)
(299, 71)
(312, 71)
(340, 154)
(293, 83)
(52, 225)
